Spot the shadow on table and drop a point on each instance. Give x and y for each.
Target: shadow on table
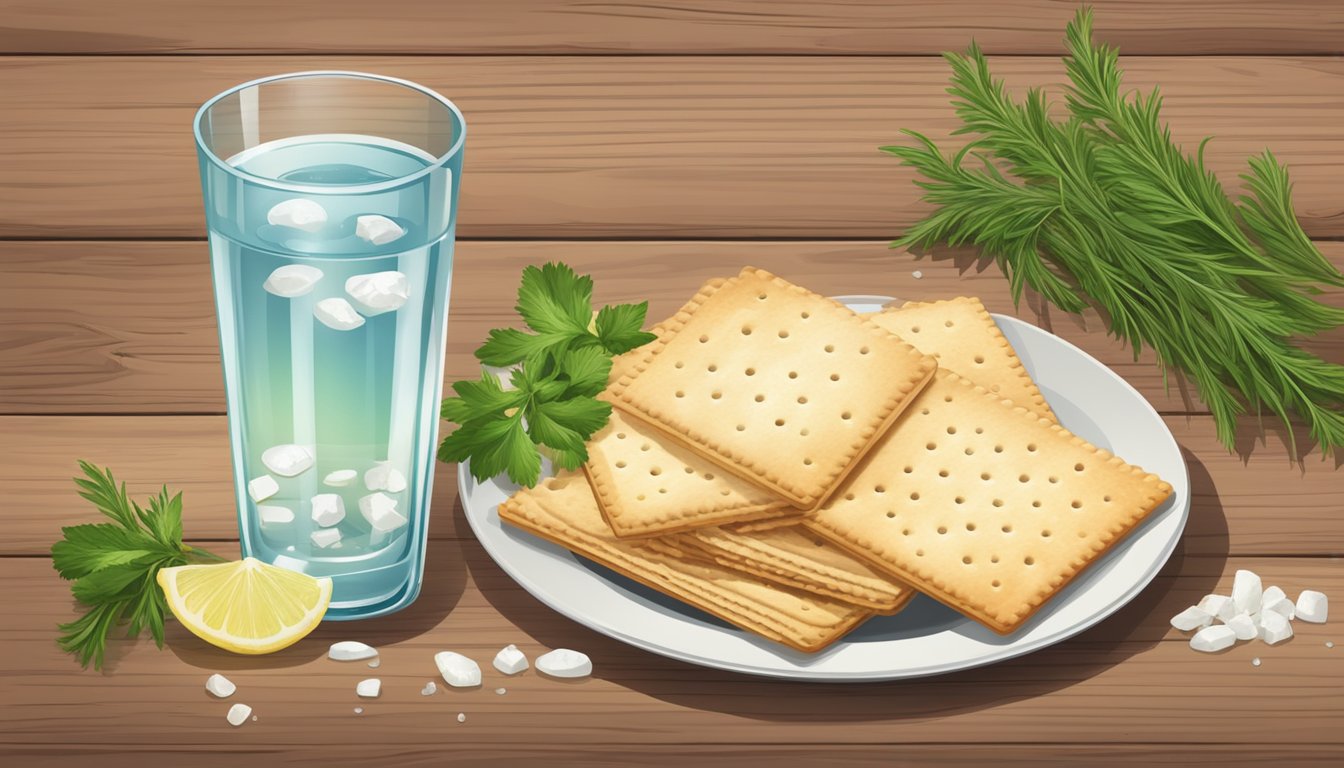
(1192, 571)
(444, 581)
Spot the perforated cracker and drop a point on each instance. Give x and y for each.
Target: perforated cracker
(984, 505)
(964, 338)
(564, 510)
(648, 485)
(784, 387)
(798, 558)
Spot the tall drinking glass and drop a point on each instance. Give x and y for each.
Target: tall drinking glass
(331, 201)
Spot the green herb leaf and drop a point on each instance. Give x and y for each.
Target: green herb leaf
(114, 565)
(619, 327)
(560, 364)
(1103, 209)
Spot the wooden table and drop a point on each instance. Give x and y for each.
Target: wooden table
(653, 145)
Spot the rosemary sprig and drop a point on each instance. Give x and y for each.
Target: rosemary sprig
(1104, 209)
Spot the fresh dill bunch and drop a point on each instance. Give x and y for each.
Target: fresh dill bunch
(1104, 209)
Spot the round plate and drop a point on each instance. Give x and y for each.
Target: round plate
(926, 638)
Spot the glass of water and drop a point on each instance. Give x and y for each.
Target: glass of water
(331, 201)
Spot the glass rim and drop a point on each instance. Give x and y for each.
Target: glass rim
(429, 93)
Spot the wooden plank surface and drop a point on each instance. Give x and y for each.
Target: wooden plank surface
(637, 147)
(1262, 504)
(129, 327)
(1131, 669)
(689, 26)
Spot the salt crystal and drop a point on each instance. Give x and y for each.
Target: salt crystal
(1244, 626)
(500, 691)
(563, 662)
(287, 460)
(340, 478)
(461, 717)
(1191, 618)
(1329, 644)
(298, 213)
(1255, 662)
(1275, 600)
(1218, 605)
(376, 663)
(1312, 606)
(457, 670)
(359, 710)
(328, 509)
(1246, 591)
(1274, 628)
(429, 689)
(262, 488)
(325, 538)
(917, 274)
(369, 689)
(351, 650)
(220, 686)
(378, 230)
(337, 314)
(274, 515)
(238, 714)
(510, 660)
(1214, 638)
(378, 292)
(292, 280)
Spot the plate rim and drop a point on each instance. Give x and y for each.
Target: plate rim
(1180, 507)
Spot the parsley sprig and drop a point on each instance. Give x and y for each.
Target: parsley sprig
(113, 565)
(558, 367)
(1104, 209)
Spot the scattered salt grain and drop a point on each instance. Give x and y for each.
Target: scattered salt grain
(369, 689)
(429, 689)
(510, 660)
(375, 663)
(461, 717)
(1312, 606)
(917, 275)
(501, 691)
(238, 714)
(1255, 662)
(457, 670)
(220, 686)
(563, 662)
(359, 710)
(351, 650)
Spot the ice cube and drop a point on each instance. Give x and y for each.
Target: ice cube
(384, 478)
(238, 714)
(262, 488)
(378, 292)
(1193, 617)
(563, 662)
(1244, 626)
(287, 460)
(292, 280)
(1215, 638)
(378, 230)
(351, 650)
(510, 660)
(328, 509)
(1274, 628)
(369, 689)
(1218, 605)
(340, 478)
(1312, 606)
(274, 515)
(220, 686)
(325, 537)
(457, 670)
(290, 563)
(337, 314)
(1246, 592)
(299, 213)
(381, 512)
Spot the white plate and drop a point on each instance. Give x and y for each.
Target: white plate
(926, 638)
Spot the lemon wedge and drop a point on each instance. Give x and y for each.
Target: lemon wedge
(245, 606)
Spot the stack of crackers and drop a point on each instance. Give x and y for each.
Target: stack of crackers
(794, 468)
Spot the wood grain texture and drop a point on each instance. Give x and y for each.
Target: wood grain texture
(118, 327)
(641, 147)
(1259, 505)
(689, 26)
(1131, 669)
